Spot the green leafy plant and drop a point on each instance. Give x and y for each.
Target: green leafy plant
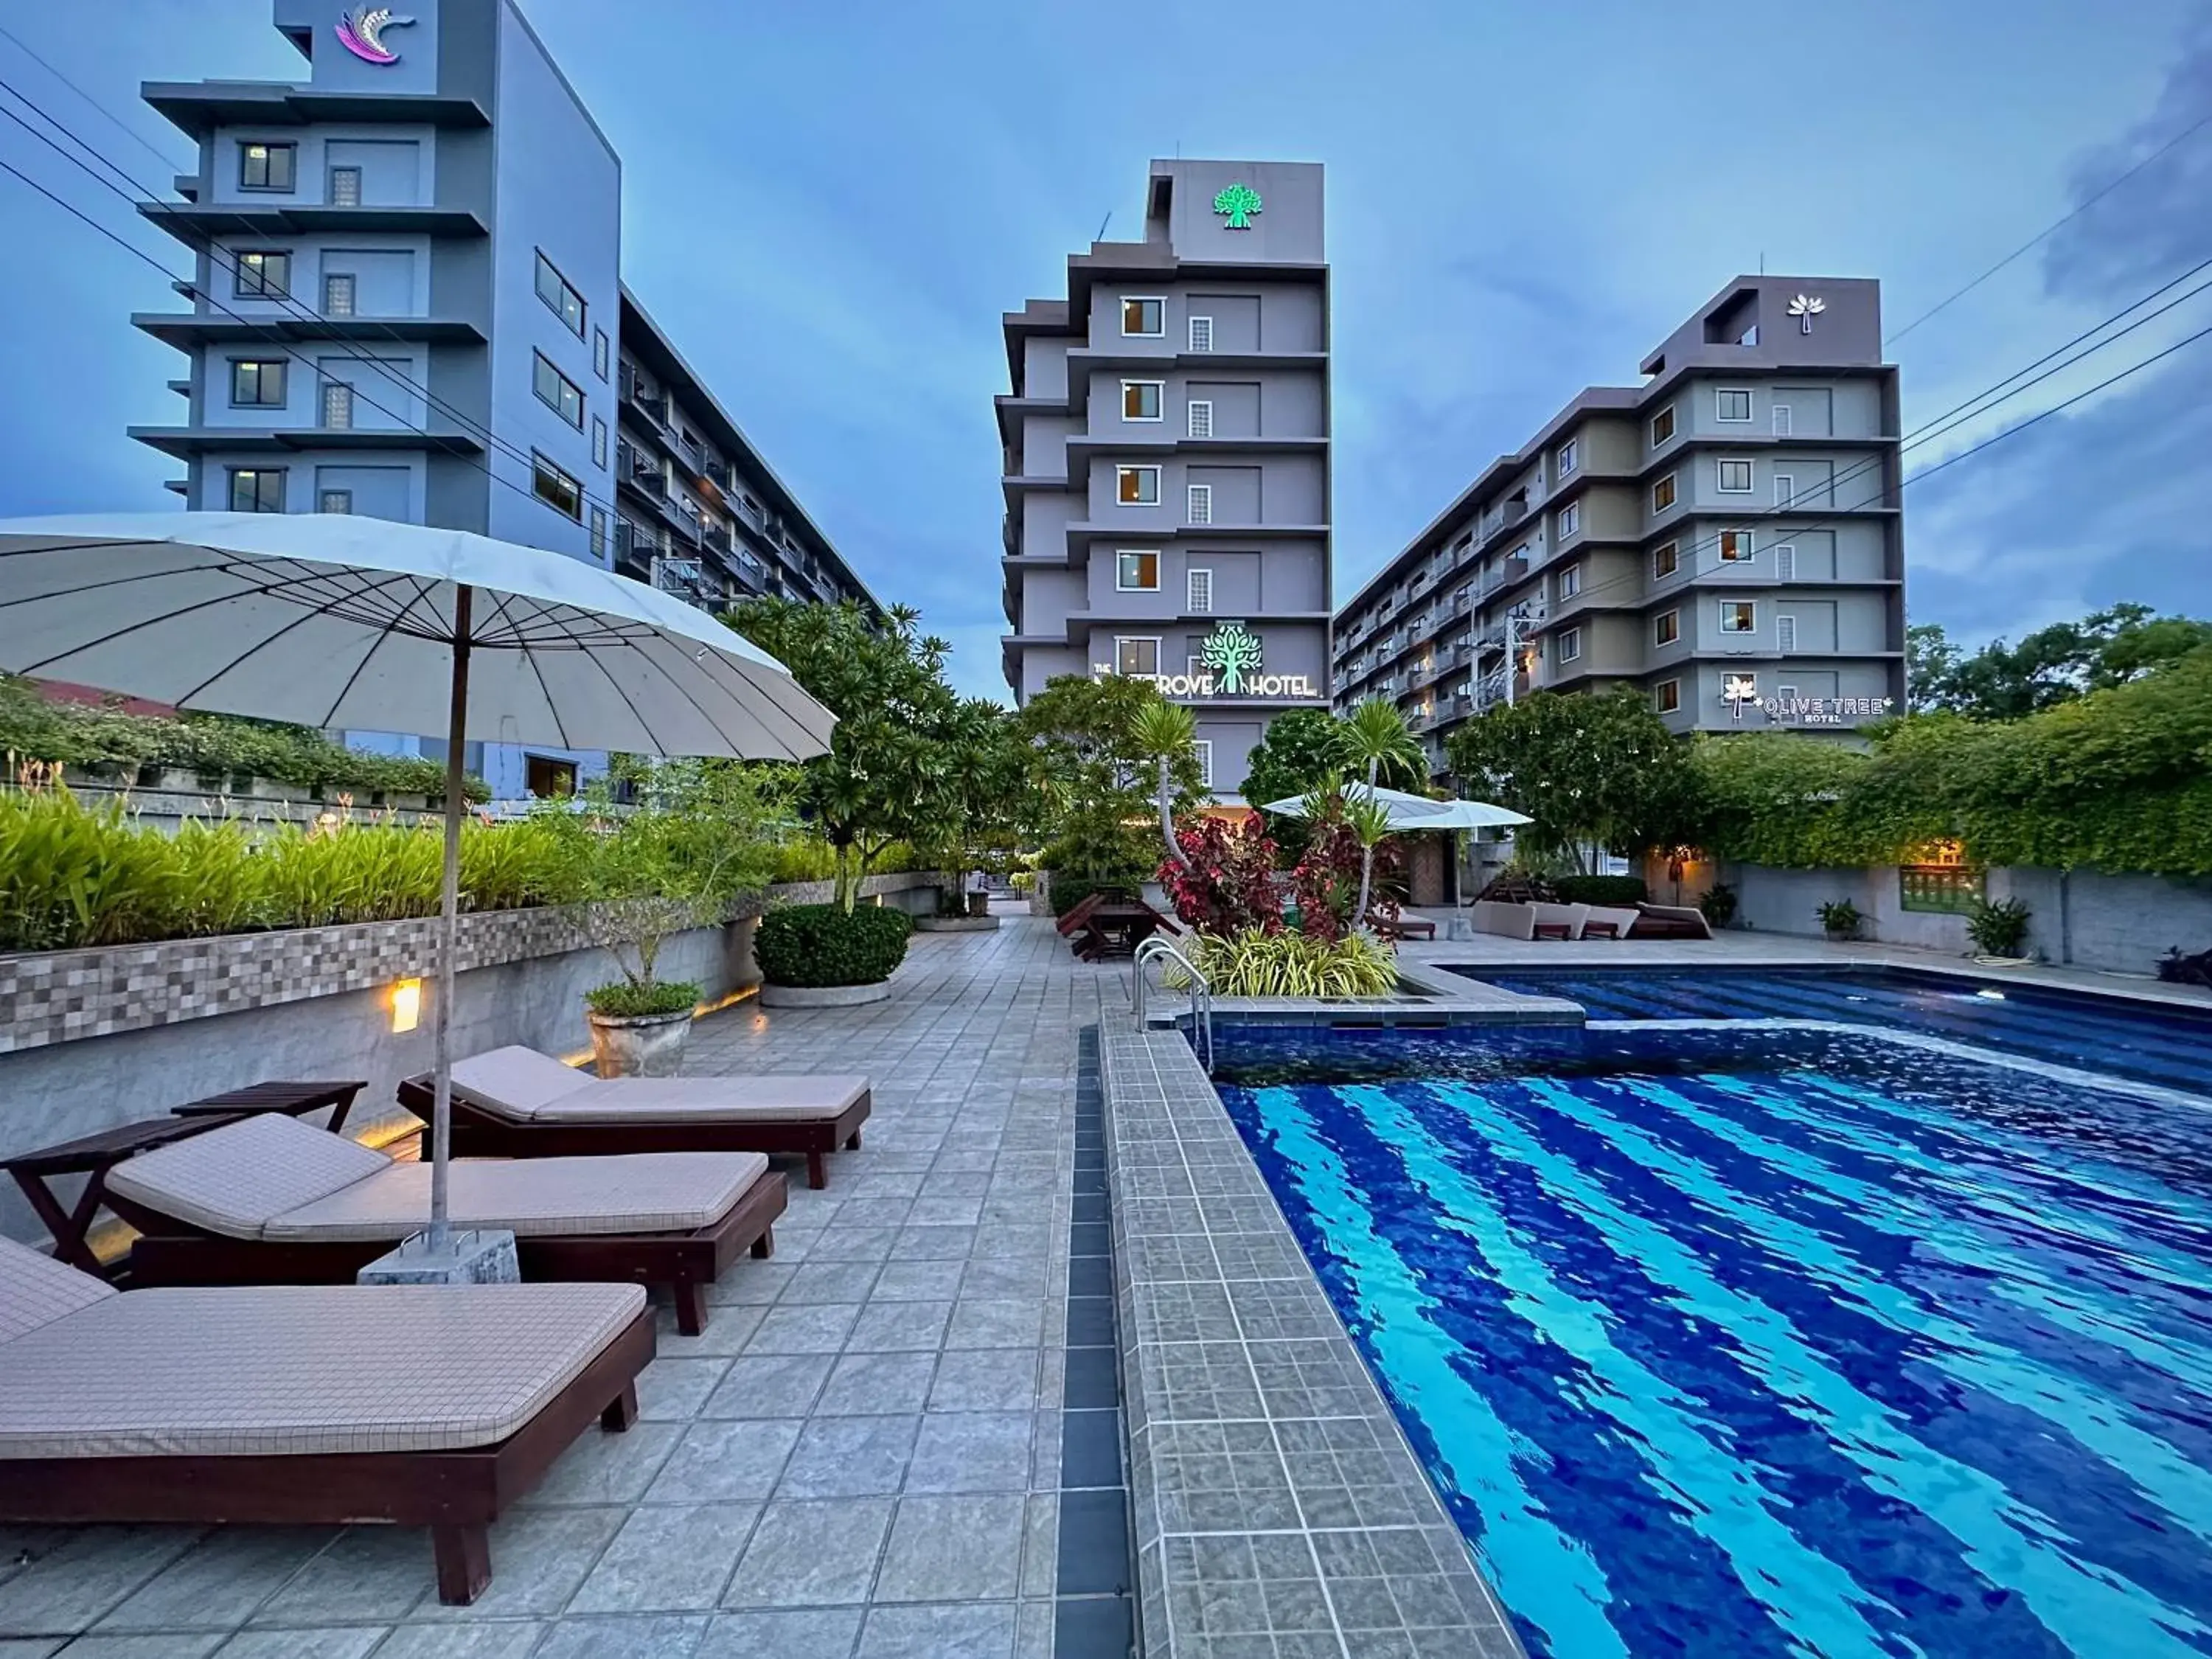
(1257, 963)
(824, 945)
(1719, 902)
(625, 1000)
(1840, 919)
(1620, 890)
(1999, 928)
(1590, 771)
(1096, 783)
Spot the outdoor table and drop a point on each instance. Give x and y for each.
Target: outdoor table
(293, 1099)
(1116, 929)
(92, 1157)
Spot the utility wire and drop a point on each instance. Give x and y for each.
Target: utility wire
(110, 116)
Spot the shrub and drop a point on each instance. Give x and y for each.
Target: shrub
(1622, 891)
(1254, 964)
(1719, 904)
(1839, 919)
(1229, 884)
(1998, 929)
(819, 944)
(623, 1000)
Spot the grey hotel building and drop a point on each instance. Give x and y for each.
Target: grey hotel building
(1167, 458)
(1724, 539)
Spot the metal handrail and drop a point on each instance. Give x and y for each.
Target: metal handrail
(1201, 994)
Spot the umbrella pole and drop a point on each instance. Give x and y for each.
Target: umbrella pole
(449, 909)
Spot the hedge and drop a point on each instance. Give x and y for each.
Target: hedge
(820, 945)
(1620, 890)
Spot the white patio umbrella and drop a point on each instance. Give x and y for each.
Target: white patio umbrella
(1407, 811)
(328, 620)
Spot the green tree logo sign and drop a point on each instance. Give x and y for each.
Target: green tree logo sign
(1233, 653)
(1237, 203)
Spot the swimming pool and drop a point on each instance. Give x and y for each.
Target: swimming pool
(2173, 1046)
(1775, 1343)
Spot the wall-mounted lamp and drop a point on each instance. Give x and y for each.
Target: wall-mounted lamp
(406, 1005)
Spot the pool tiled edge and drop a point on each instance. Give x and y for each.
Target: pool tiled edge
(1273, 1498)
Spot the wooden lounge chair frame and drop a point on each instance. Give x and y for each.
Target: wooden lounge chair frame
(457, 1494)
(479, 1132)
(172, 1252)
(1405, 927)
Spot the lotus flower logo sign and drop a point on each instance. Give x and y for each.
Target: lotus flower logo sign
(360, 32)
(1237, 203)
(1233, 653)
(1805, 309)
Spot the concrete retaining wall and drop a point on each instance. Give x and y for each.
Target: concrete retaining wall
(2083, 918)
(73, 1084)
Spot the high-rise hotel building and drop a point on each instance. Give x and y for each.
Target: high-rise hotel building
(1167, 458)
(1725, 539)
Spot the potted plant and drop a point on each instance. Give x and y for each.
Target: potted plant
(1839, 919)
(823, 956)
(1719, 902)
(1998, 929)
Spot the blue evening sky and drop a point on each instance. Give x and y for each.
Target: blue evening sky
(829, 206)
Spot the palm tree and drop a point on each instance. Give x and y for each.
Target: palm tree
(1166, 732)
(1370, 821)
(1376, 735)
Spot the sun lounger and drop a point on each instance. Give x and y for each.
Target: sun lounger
(1404, 928)
(1670, 921)
(1503, 917)
(517, 1103)
(271, 1201)
(1609, 921)
(1562, 922)
(432, 1406)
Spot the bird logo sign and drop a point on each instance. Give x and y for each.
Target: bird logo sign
(360, 32)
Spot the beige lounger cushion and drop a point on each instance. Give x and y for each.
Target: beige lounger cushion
(237, 1179)
(515, 1081)
(300, 1368)
(793, 1097)
(1622, 920)
(36, 1289)
(537, 1197)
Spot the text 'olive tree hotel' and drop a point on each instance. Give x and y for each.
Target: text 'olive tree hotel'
(1167, 458)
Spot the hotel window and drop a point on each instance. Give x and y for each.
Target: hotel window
(1662, 426)
(557, 392)
(1739, 616)
(1570, 457)
(267, 166)
(1199, 591)
(562, 300)
(1733, 478)
(1140, 399)
(1666, 696)
(345, 187)
(1201, 504)
(1735, 546)
(1201, 334)
(1570, 645)
(1144, 318)
(1570, 519)
(334, 501)
(1205, 748)
(1731, 403)
(598, 442)
(1201, 417)
(599, 352)
(264, 275)
(1666, 560)
(1666, 628)
(546, 778)
(337, 406)
(556, 488)
(1137, 573)
(1662, 494)
(598, 532)
(1136, 486)
(1571, 581)
(338, 293)
(257, 490)
(255, 383)
(1136, 656)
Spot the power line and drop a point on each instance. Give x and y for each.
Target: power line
(2057, 224)
(113, 120)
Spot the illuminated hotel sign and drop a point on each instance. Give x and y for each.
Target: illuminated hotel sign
(1229, 666)
(1237, 204)
(1741, 691)
(360, 32)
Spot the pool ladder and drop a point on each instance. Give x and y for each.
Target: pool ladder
(1201, 995)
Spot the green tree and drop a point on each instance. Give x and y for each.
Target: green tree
(1097, 791)
(900, 761)
(1589, 771)
(1298, 750)
(1377, 738)
(1166, 732)
(2051, 665)
(1930, 661)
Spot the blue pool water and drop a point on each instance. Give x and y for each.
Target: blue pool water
(2168, 1046)
(1772, 1343)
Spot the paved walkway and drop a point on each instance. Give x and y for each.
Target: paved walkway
(859, 1457)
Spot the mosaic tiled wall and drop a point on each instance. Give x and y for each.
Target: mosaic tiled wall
(58, 996)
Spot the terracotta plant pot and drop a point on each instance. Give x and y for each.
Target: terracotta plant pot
(644, 1045)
